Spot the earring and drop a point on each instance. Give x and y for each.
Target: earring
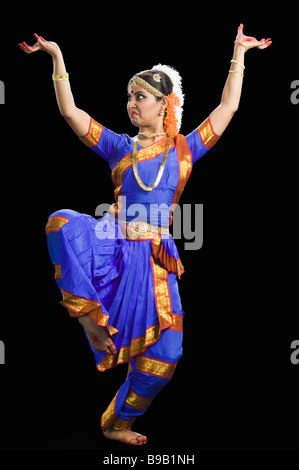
(162, 112)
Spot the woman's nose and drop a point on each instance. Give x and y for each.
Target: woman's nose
(132, 102)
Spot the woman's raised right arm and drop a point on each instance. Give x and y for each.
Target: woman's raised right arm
(77, 119)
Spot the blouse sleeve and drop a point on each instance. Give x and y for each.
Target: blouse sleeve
(104, 142)
(201, 140)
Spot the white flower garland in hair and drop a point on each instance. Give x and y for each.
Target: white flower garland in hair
(176, 80)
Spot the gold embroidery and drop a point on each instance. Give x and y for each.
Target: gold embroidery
(55, 223)
(123, 424)
(119, 170)
(109, 416)
(79, 306)
(93, 135)
(130, 367)
(151, 366)
(207, 135)
(177, 323)
(140, 230)
(138, 346)
(137, 401)
(144, 154)
(162, 296)
(57, 273)
(138, 80)
(112, 361)
(112, 330)
(185, 165)
(169, 262)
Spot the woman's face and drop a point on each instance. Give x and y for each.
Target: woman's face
(143, 108)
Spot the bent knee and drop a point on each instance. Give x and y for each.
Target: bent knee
(59, 218)
(66, 213)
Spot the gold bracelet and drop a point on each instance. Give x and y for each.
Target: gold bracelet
(240, 42)
(235, 71)
(59, 78)
(238, 63)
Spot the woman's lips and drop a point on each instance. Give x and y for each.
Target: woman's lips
(134, 114)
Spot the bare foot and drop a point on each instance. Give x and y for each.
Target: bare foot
(127, 437)
(98, 336)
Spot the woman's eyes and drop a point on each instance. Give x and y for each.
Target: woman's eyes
(139, 97)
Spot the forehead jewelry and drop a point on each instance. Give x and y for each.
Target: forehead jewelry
(139, 81)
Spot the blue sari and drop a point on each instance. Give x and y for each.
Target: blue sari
(122, 269)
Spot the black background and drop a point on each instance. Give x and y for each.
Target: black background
(235, 387)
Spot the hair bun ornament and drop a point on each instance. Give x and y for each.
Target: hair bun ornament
(175, 106)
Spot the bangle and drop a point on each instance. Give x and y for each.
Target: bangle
(235, 71)
(239, 63)
(240, 42)
(59, 78)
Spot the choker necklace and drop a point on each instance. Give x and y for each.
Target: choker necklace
(152, 134)
(161, 169)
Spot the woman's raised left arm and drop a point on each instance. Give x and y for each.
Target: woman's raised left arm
(231, 94)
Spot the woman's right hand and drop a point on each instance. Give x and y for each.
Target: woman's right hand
(41, 45)
(77, 119)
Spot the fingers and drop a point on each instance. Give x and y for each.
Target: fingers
(264, 43)
(29, 49)
(24, 46)
(112, 349)
(39, 39)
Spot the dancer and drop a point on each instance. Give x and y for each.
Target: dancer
(118, 275)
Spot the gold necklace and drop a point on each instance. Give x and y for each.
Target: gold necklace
(152, 134)
(161, 169)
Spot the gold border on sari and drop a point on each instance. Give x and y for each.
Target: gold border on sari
(55, 223)
(123, 424)
(143, 154)
(185, 165)
(109, 416)
(137, 346)
(177, 324)
(149, 365)
(207, 135)
(162, 295)
(137, 401)
(57, 272)
(169, 262)
(80, 306)
(94, 134)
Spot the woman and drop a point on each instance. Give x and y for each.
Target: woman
(118, 275)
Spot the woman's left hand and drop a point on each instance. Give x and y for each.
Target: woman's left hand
(250, 42)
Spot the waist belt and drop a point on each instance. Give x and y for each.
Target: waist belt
(142, 228)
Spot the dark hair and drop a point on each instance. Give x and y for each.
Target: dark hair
(164, 86)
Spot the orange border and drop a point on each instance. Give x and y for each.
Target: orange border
(94, 134)
(185, 165)
(55, 223)
(206, 134)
